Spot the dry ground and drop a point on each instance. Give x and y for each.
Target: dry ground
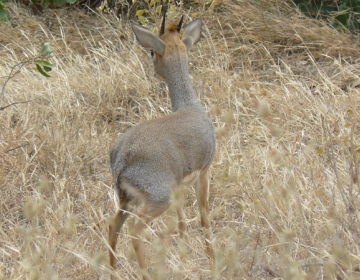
(285, 191)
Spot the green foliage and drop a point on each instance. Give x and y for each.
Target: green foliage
(341, 13)
(4, 14)
(57, 3)
(42, 65)
(41, 62)
(157, 7)
(39, 5)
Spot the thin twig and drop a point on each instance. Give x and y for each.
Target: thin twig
(17, 147)
(15, 103)
(12, 74)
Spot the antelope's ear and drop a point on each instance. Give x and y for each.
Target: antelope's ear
(148, 39)
(192, 33)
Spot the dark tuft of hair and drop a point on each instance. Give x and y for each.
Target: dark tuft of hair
(172, 27)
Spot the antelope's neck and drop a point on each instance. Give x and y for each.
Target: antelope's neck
(180, 89)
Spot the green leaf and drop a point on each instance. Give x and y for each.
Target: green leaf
(139, 13)
(343, 7)
(41, 71)
(45, 45)
(47, 69)
(43, 63)
(351, 3)
(155, 30)
(342, 19)
(142, 20)
(4, 14)
(60, 3)
(72, 2)
(327, 10)
(153, 2)
(45, 51)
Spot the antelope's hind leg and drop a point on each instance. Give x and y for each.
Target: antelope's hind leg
(202, 195)
(150, 211)
(115, 227)
(180, 213)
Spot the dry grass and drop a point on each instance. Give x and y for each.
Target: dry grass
(285, 189)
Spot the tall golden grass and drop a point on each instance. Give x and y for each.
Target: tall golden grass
(285, 190)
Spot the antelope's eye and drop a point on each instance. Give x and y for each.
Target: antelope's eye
(152, 53)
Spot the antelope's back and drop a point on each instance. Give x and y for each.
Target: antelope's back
(175, 145)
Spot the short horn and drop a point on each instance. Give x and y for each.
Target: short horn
(180, 24)
(162, 29)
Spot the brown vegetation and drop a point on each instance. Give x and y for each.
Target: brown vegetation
(285, 187)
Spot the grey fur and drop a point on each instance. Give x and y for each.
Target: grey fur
(155, 156)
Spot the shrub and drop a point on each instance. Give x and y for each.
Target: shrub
(340, 13)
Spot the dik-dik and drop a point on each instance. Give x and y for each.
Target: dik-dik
(156, 157)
